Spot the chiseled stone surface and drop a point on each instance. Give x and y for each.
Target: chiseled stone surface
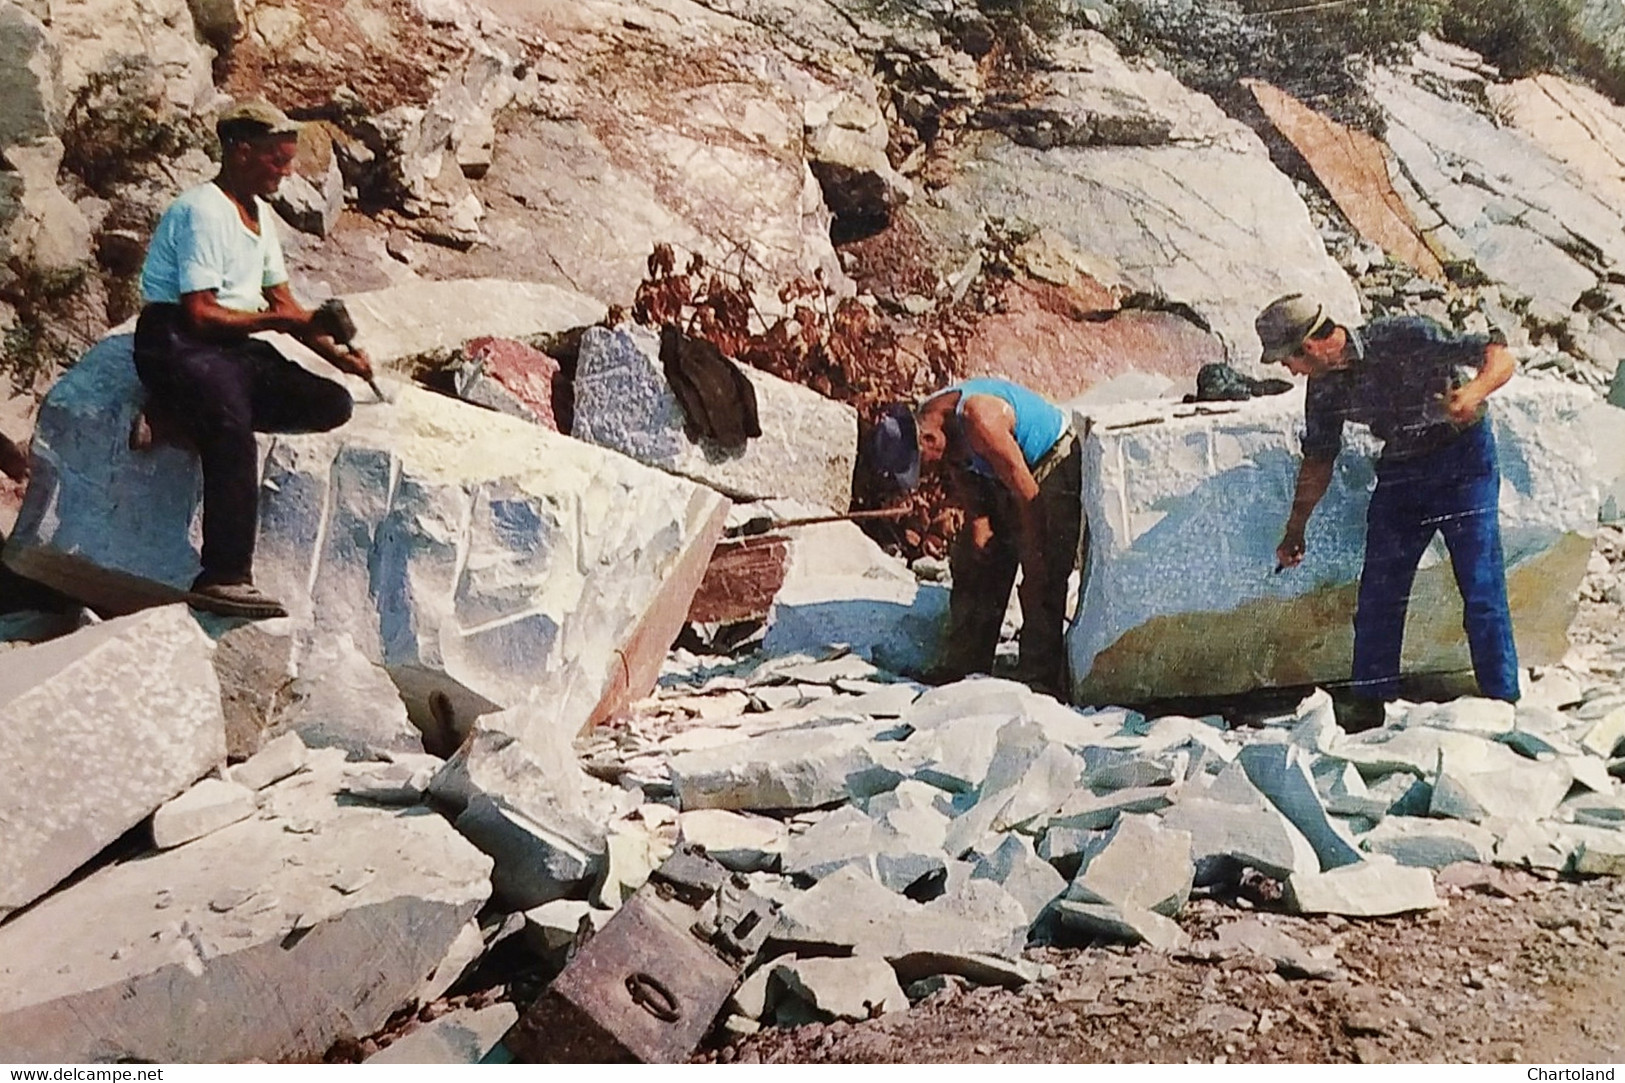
(622, 401)
(333, 911)
(1185, 512)
(456, 547)
(97, 729)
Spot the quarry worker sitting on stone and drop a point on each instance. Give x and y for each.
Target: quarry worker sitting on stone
(1015, 466)
(213, 276)
(1421, 388)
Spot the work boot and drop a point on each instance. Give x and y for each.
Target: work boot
(235, 600)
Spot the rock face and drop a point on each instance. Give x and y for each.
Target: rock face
(806, 452)
(1529, 222)
(454, 546)
(1185, 513)
(619, 156)
(97, 730)
(312, 196)
(1356, 169)
(29, 92)
(317, 903)
(1065, 341)
(1184, 202)
(96, 37)
(49, 231)
(1574, 124)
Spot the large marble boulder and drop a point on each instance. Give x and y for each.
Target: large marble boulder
(319, 918)
(1185, 507)
(97, 729)
(475, 556)
(806, 451)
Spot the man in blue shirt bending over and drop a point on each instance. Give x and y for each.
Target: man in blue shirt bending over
(214, 276)
(1016, 468)
(1421, 388)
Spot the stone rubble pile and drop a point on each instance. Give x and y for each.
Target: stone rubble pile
(297, 877)
(941, 830)
(909, 835)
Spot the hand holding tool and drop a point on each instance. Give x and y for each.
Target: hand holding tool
(333, 319)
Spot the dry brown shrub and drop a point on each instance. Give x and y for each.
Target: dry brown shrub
(838, 346)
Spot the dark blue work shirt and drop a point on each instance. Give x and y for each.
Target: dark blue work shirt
(1401, 369)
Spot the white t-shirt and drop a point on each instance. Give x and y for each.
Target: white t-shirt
(202, 244)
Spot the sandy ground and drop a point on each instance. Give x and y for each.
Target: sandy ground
(1513, 969)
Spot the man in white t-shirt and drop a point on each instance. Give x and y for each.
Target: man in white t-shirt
(213, 277)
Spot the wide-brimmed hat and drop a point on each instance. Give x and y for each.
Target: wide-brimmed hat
(893, 450)
(1286, 322)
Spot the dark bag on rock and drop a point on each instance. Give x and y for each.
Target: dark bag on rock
(718, 399)
(1218, 382)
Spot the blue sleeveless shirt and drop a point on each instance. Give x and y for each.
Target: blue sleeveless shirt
(1038, 423)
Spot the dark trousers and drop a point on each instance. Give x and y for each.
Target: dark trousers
(219, 394)
(1454, 491)
(983, 560)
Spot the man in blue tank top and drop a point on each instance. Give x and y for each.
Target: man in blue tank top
(1013, 463)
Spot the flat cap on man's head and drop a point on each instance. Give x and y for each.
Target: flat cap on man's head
(1286, 322)
(253, 119)
(893, 447)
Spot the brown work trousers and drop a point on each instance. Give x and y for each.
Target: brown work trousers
(983, 560)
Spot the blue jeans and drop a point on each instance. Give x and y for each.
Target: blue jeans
(1454, 491)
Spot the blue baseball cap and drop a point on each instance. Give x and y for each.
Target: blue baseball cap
(894, 447)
